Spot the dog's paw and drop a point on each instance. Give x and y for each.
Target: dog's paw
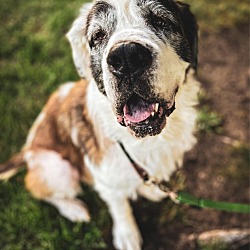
(76, 211)
(126, 238)
(72, 209)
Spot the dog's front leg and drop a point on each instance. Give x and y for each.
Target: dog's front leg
(126, 235)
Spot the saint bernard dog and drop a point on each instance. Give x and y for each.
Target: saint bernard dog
(137, 61)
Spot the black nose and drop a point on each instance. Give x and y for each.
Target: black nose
(130, 59)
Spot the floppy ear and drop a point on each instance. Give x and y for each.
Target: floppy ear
(79, 43)
(190, 30)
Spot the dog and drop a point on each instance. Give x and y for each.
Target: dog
(137, 60)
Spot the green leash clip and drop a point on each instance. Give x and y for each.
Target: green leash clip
(204, 203)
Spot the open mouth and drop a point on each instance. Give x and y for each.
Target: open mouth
(145, 117)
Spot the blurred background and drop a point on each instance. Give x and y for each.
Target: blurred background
(35, 58)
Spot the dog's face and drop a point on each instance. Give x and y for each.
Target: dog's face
(138, 52)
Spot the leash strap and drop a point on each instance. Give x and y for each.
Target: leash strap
(142, 172)
(191, 200)
(186, 198)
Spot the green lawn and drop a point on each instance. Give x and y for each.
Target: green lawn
(35, 58)
(217, 14)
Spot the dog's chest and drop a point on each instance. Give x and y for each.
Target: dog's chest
(155, 156)
(152, 153)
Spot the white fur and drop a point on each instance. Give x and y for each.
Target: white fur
(74, 136)
(57, 173)
(54, 179)
(58, 176)
(114, 178)
(159, 155)
(72, 209)
(65, 89)
(130, 28)
(78, 43)
(33, 130)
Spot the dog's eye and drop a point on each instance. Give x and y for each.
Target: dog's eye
(97, 38)
(157, 21)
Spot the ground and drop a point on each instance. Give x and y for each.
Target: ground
(35, 57)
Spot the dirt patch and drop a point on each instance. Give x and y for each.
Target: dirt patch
(211, 168)
(217, 168)
(225, 72)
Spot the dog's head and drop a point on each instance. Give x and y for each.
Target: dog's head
(138, 52)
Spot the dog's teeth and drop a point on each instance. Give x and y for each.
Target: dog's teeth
(156, 107)
(147, 121)
(153, 113)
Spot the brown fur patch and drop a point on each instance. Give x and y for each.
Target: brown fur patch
(62, 114)
(13, 163)
(36, 185)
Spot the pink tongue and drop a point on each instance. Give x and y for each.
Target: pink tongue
(137, 111)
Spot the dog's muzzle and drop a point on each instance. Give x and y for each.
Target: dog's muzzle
(143, 113)
(129, 60)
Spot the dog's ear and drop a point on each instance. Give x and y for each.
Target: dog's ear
(79, 43)
(190, 30)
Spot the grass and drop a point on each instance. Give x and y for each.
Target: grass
(26, 223)
(217, 14)
(209, 121)
(34, 59)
